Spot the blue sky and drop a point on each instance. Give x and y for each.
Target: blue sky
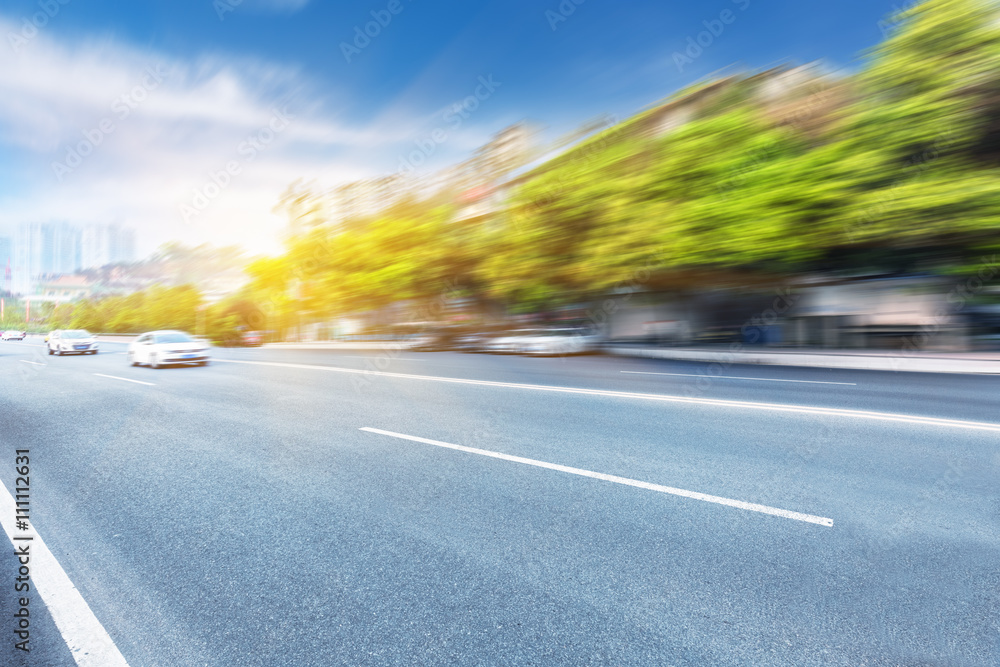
(201, 76)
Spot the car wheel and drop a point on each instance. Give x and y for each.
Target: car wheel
(153, 362)
(50, 350)
(131, 359)
(203, 363)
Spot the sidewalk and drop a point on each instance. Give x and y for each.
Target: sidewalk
(869, 360)
(316, 345)
(380, 345)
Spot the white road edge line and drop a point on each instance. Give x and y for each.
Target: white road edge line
(88, 641)
(718, 500)
(33, 363)
(736, 377)
(115, 377)
(666, 398)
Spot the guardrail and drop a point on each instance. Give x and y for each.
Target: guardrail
(115, 335)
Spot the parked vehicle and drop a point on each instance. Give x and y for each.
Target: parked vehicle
(479, 339)
(242, 338)
(253, 338)
(439, 340)
(545, 342)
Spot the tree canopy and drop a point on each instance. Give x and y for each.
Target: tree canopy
(895, 166)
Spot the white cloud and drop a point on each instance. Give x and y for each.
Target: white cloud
(162, 126)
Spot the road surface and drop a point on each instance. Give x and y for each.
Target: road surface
(284, 507)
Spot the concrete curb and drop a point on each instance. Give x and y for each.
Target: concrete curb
(868, 362)
(382, 346)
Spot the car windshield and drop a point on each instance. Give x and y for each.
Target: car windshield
(76, 333)
(174, 337)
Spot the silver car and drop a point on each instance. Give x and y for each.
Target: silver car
(546, 342)
(558, 342)
(72, 341)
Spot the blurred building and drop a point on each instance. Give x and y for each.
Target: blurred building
(43, 248)
(6, 262)
(901, 313)
(101, 245)
(796, 95)
(509, 149)
(463, 184)
(365, 199)
(62, 288)
(877, 313)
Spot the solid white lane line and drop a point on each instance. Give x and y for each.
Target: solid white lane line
(666, 398)
(33, 363)
(736, 377)
(718, 500)
(86, 638)
(345, 356)
(115, 377)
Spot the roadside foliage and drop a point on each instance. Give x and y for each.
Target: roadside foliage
(894, 168)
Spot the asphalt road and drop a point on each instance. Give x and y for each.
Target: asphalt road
(238, 515)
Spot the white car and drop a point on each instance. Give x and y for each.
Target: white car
(545, 342)
(12, 335)
(558, 342)
(163, 348)
(72, 341)
(511, 343)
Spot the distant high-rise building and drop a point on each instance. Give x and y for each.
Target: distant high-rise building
(6, 262)
(106, 244)
(43, 248)
(123, 246)
(93, 247)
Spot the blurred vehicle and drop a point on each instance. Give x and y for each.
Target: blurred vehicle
(456, 338)
(509, 343)
(163, 348)
(541, 341)
(440, 340)
(551, 342)
(478, 340)
(240, 337)
(12, 335)
(253, 338)
(472, 342)
(71, 341)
